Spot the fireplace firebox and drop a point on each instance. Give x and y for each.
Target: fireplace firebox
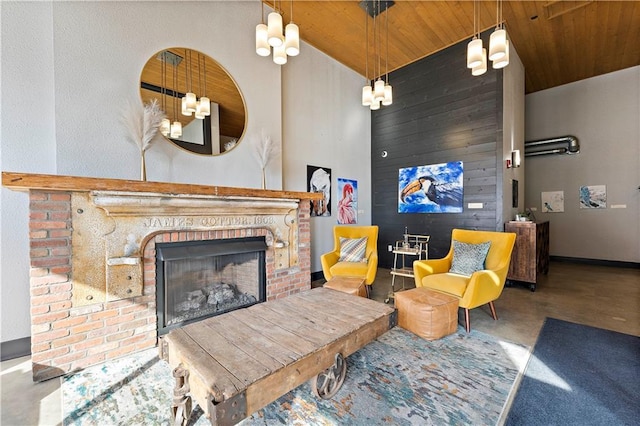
(200, 279)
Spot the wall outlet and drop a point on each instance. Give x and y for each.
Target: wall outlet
(390, 247)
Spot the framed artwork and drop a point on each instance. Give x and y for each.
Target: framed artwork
(436, 188)
(347, 201)
(319, 180)
(552, 202)
(593, 197)
(514, 193)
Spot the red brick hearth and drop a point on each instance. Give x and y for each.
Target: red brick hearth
(67, 336)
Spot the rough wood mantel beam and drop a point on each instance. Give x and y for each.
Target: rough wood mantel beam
(31, 181)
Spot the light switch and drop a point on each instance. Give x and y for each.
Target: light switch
(474, 205)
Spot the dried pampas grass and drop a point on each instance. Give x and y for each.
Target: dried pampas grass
(142, 123)
(264, 150)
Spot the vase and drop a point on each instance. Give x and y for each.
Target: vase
(264, 180)
(143, 167)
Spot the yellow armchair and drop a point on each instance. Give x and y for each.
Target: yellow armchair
(482, 287)
(331, 266)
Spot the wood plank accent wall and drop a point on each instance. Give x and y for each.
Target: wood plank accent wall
(441, 113)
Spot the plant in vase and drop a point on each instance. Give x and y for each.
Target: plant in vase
(142, 123)
(264, 150)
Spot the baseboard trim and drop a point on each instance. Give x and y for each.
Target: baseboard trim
(15, 348)
(598, 262)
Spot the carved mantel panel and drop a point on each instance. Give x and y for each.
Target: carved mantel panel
(111, 228)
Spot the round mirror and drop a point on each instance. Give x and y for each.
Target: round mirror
(205, 111)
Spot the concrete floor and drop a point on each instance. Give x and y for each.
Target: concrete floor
(599, 296)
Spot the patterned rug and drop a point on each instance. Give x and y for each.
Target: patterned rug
(399, 379)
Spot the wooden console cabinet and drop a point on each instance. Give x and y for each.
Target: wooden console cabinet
(530, 255)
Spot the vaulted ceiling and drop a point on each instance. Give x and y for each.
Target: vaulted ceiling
(558, 41)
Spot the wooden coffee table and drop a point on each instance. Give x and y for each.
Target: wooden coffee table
(236, 363)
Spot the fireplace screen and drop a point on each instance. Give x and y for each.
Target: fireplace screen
(199, 279)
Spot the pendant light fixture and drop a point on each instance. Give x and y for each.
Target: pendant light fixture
(269, 36)
(292, 36)
(388, 90)
(498, 43)
(474, 48)
(381, 93)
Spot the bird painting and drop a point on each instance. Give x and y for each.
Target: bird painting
(436, 188)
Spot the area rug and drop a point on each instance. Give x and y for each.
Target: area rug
(399, 379)
(579, 375)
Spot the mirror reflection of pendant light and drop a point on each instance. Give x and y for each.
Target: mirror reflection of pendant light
(190, 102)
(205, 102)
(176, 126)
(498, 43)
(199, 114)
(165, 124)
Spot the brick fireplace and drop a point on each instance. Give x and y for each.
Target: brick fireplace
(93, 256)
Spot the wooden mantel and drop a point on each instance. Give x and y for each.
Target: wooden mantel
(31, 181)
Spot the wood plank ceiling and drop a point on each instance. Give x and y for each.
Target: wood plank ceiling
(558, 41)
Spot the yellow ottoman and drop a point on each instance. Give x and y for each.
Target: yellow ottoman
(427, 313)
(349, 285)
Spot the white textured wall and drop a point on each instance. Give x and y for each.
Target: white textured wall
(604, 114)
(27, 143)
(68, 69)
(513, 134)
(325, 125)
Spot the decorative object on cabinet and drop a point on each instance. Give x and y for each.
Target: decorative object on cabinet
(530, 255)
(416, 247)
(482, 287)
